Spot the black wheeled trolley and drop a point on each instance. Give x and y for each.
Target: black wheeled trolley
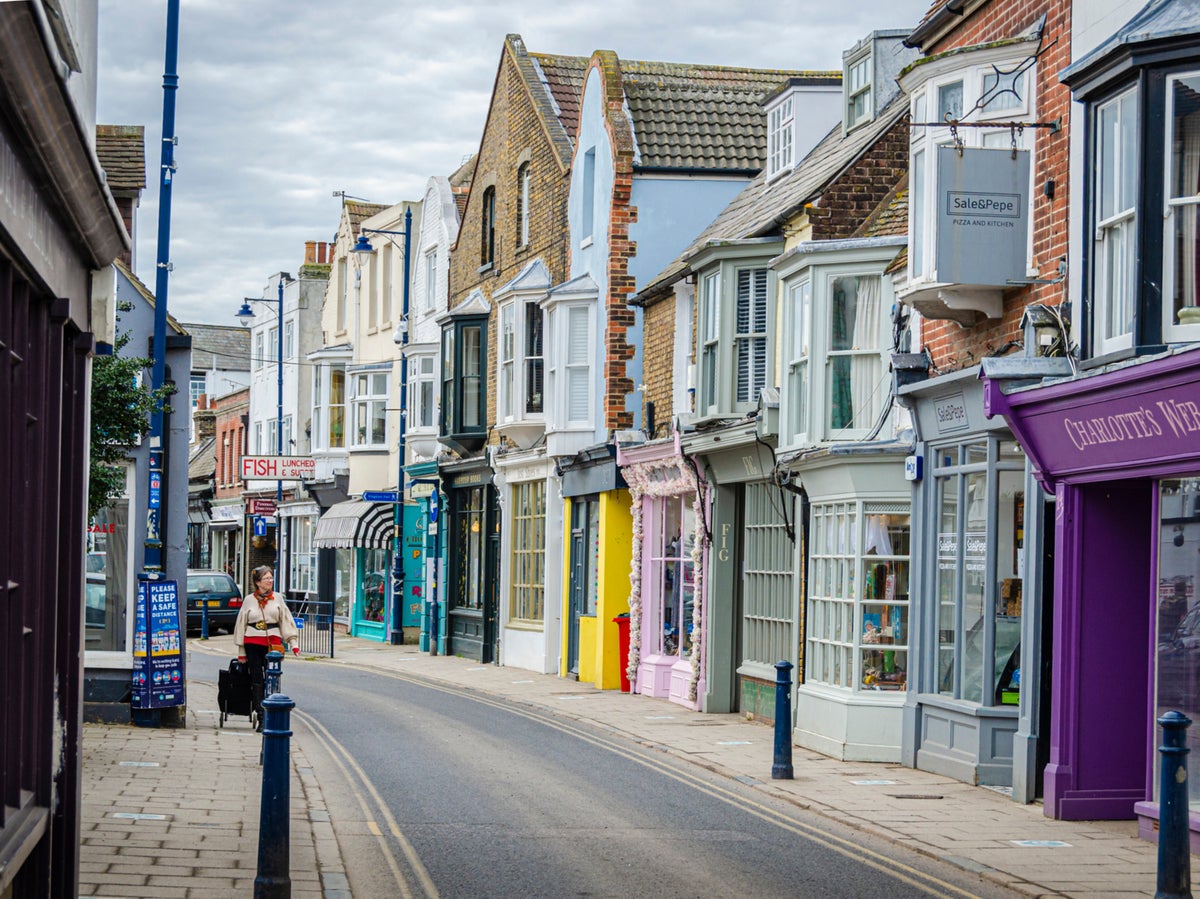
(235, 695)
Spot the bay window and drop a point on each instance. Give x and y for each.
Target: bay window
(421, 389)
(855, 367)
(1116, 220)
(369, 406)
(796, 390)
(709, 317)
(463, 397)
(1181, 269)
(858, 607)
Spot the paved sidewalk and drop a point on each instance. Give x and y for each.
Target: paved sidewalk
(174, 812)
(206, 845)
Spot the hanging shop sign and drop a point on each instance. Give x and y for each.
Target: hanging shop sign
(158, 661)
(982, 216)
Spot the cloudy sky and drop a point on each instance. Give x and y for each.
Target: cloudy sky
(283, 102)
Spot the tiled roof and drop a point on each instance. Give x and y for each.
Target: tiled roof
(563, 78)
(890, 216)
(203, 461)
(761, 207)
(121, 150)
(219, 346)
(704, 117)
(357, 211)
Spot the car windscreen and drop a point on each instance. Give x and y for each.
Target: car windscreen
(210, 584)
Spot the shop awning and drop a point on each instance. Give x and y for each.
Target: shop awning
(354, 523)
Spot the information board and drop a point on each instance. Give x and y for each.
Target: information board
(157, 647)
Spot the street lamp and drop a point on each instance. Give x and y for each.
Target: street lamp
(363, 245)
(245, 315)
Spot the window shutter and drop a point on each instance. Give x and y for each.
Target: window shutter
(577, 365)
(751, 327)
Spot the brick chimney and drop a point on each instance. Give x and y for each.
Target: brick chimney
(204, 418)
(310, 252)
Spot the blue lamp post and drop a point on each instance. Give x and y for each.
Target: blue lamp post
(363, 245)
(245, 315)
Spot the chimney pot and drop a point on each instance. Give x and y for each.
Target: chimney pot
(310, 252)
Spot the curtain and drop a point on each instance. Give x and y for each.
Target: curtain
(864, 369)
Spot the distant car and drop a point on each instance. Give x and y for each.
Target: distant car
(94, 602)
(219, 592)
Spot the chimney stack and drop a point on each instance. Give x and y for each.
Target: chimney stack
(310, 252)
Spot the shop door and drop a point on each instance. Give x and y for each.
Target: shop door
(584, 522)
(491, 584)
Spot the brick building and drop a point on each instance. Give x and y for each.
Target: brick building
(978, 696)
(230, 538)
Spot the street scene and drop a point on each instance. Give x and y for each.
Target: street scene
(668, 451)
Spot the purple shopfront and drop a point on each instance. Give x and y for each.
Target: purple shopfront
(1120, 449)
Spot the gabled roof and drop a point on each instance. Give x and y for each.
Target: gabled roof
(761, 207)
(890, 216)
(144, 291)
(1157, 20)
(555, 84)
(202, 463)
(688, 116)
(219, 346)
(121, 150)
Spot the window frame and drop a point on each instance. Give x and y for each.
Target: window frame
(527, 554)
(452, 429)
(523, 197)
(421, 406)
(1172, 206)
(368, 404)
(324, 407)
(429, 293)
(781, 136)
(865, 90)
(1102, 306)
(487, 236)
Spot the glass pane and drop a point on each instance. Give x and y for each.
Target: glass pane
(947, 581)
(1178, 624)
(1185, 137)
(1003, 91)
(337, 408)
(343, 577)
(918, 206)
(950, 101)
(1186, 299)
(974, 562)
(378, 423)
(107, 588)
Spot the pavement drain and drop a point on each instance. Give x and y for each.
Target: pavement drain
(139, 764)
(916, 796)
(138, 816)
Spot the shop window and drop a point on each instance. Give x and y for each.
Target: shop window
(370, 409)
(470, 533)
(1178, 626)
(767, 575)
(343, 570)
(372, 598)
(980, 495)
(858, 598)
(527, 572)
(673, 575)
(108, 590)
(302, 556)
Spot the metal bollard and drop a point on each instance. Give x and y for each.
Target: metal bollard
(274, 879)
(1174, 852)
(204, 619)
(274, 673)
(782, 768)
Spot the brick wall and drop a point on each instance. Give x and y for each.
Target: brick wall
(514, 134)
(228, 412)
(952, 346)
(658, 357)
(855, 194)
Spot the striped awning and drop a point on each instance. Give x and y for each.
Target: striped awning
(355, 523)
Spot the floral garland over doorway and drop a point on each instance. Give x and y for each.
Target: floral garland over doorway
(659, 479)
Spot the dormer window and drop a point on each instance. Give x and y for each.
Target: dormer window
(780, 127)
(857, 80)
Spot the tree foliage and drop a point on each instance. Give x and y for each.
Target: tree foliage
(121, 408)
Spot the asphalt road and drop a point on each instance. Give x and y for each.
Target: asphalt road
(435, 791)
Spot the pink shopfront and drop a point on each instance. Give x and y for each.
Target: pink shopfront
(666, 602)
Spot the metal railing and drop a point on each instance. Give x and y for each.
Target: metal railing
(314, 618)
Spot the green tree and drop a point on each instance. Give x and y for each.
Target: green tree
(121, 409)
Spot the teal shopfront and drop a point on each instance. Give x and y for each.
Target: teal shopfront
(361, 533)
(423, 555)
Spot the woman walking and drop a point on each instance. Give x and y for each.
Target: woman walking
(264, 623)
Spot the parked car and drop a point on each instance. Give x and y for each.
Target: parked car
(218, 591)
(95, 600)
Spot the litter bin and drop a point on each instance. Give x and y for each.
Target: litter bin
(622, 622)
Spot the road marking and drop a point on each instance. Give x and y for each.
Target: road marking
(849, 848)
(410, 853)
(374, 828)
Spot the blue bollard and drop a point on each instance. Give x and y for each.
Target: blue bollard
(1174, 852)
(274, 879)
(204, 619)
(274, 673)
(782, 768)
